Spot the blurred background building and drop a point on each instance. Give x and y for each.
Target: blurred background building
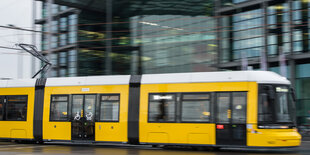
(103, 37)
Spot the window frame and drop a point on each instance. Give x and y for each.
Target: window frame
(5, 97)
(216, 113)
(196, 93)
(175, 107)
(71, 104)
(99, 107)
(231, 104)
(68, 102)
(245, 105)
(274, 123)
(3, 107)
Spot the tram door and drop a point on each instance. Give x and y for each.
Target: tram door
(231, 118)
(83, 117)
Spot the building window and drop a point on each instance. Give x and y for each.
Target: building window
(16, 108)
(54, 8)
(72, 27)
(62, 72)
(54, 58)
(63, 39)
(161, 108)
(63, 59)
(72, 60)
(247, 34)
(59, 108)
(54, 26)
(109, 108)
(54, 43)
(53, 72)
(196, 108)
(62, 8)
(303, 93)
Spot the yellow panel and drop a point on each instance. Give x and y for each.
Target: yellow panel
(157, 137)
(63, 129)
(115, 131)
(273, 137)
(111, 132)
(252, 100)
(19, 129)
(196, 138)
(185, 133)
(18, 133)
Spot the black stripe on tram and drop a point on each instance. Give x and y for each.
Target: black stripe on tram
(38, 109)
(133, 109)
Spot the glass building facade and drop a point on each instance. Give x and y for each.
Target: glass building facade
(133, 37)
(100, 37)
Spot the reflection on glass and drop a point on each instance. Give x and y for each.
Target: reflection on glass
(16, 108)
(162, 109)
(223, 114)
(77, 106)
(109, 108)
(239, 107)
(196, 111)
(284, 107)
(89, 107)
(264, 109)
(59, 108)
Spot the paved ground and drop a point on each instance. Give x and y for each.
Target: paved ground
(8, 148)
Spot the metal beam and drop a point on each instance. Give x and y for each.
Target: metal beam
(248, 5)
(108, 28)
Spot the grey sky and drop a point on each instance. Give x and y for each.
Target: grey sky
(19, 14)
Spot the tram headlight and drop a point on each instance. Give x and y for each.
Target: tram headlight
(273, 127)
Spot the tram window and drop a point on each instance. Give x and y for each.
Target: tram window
(196, 108)
(89, 107)
(264, 109)
(162, 108)
(239, 107)
(17, 108)
(109, 108)
(59, 108)
(77, 106)
(223, 112)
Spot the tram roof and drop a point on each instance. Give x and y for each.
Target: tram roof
(17, 83)
(88, 80)
(196, 77)
(208, 77)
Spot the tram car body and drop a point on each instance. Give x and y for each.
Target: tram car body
(217, 109)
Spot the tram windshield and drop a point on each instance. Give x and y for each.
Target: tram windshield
(276, 107)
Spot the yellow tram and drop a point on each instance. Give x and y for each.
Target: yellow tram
(217, 109)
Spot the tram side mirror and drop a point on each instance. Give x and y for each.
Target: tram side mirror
(271, 92)
(292, 90)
